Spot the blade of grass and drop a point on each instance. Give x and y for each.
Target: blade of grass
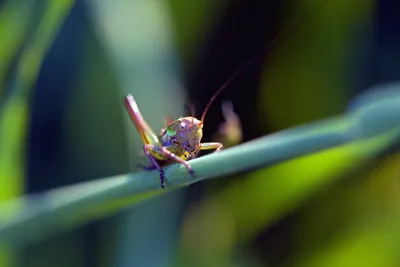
(14, 23)
(56, 209)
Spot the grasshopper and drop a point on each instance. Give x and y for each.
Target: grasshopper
(180, 141)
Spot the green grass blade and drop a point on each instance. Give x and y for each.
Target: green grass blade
(63, 208)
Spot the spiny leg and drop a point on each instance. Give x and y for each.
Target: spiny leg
(164, 151)
(213, 145)
(172, 156)
(147, 149)
(147, 134)
(145, 131)
(208, 146)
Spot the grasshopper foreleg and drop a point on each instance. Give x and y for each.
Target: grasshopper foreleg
(149, 149)
(174, 157)
(208, 146)
(212, 145)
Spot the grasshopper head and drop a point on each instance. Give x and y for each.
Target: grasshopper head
(188, 131)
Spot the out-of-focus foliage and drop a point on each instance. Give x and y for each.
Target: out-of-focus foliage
(65, 66)
(230, 132)
(14, 110)
(308, 73)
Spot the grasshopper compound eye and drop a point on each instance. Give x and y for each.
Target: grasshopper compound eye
(182, 126)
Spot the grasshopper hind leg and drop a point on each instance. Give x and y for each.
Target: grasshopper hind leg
(155, 164)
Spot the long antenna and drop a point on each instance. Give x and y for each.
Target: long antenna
(280, 37)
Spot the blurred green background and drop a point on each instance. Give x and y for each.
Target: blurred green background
(65, 66)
